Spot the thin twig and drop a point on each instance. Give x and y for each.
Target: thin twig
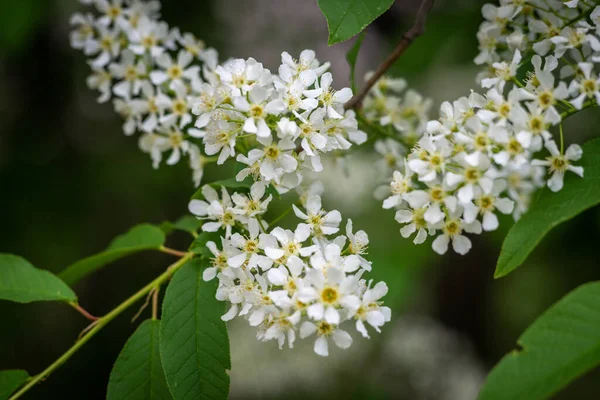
(172, 251)
(409, 36)
(143, 307)
(155, 304)
(83, 311)
(97, 326)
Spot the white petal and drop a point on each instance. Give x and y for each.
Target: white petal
(342, 339)
(461, 244)
(321, 347)
(332, 316)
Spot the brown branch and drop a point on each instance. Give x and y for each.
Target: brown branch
(409, 36)
(83, 311)
(155, 304)
(173, 251)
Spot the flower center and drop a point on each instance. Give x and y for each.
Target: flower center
(437, 194)
(452, 228)
(272, 152)
(536, 124)
(113, 12)
(149, 41)
(329, 295)
(589, 87)
(251, 246)
(257, 111)
(472, 175)
(514, 147)
(228, 218)
(175, 72)
(180, 107)
(546, 99)
(559, 163)
(324, 329)
(485, 203)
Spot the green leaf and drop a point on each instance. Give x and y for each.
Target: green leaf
(194, 346)
(138, 372)
(139, 238)
(552, 209)
(198, 246)
(23, 283)
(10, 381)
(346, 18)
(187, 223)
(351, 57)
(558, 347)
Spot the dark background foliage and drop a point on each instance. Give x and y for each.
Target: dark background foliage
(70, 181)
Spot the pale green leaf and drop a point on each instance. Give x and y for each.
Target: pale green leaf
(23, 283)
(346, 18)
(552, 209)
(194, 346)
(351, 57)
(10, 381)
(139, 238)
(558, 347)
(187, 223)
(138, 372)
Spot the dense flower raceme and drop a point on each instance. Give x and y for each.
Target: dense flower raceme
(487, 154)
(169, 87)
(305, 282)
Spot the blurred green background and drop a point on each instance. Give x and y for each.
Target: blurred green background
(70, 181)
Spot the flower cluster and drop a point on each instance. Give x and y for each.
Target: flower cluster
(278, 124)
(488, 154)
(286, 283)
(169, 86)
(152, 73)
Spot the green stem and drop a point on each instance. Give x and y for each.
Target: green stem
(280, 216)
(572, 111)
(562, 140)
(101, 323)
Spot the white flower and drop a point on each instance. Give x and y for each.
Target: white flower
(329, 294)
(253, 205)
(319, 221)
(179, 106)
(415, 223)
(274, 160)
(113, 12)
(324, 330)
(241, 75)
(288, 244)
(249, 248)
(399, 186)
(332, 100)
(220, 261)
(432, 158)
(358, 243)
(257, 109)
(331, 257)
(452, 230)
(148, 37)
(432, 199)
(486, 204)
(220, 137)
(371, 311)
(559, 163)
(587, 86)
(174, 71)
